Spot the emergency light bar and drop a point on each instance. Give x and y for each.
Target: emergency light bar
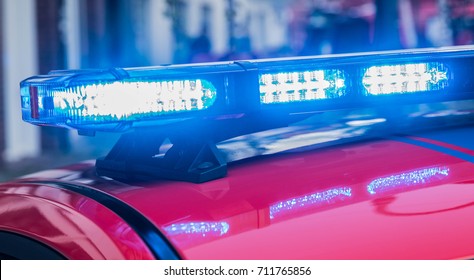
(214, 102)
(117, 99)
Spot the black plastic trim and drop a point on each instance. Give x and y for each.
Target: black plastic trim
(189, 159)
(154, 239)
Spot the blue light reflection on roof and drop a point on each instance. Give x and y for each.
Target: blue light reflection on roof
(129, 99)
(316, 199)
(284, 87)
(408, 179)
(405, 78)
(199, 228)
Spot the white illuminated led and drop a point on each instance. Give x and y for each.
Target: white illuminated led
(404, 78)
(120, 99)
(287, 87)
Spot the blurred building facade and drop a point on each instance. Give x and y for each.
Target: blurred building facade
(40, 35)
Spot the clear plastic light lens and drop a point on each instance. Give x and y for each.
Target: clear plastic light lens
(408, 179)
(287, 87)
(405, 78)
(123, 100)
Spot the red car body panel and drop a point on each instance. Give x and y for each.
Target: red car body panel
(74, 225)
(382, 199)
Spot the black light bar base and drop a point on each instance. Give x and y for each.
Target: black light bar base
(137, 156)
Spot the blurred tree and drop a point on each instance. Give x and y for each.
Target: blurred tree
(201, 45)
(238, 25)
(386, 29)
(52, 55)
(442, 33)
(176, 12)
(94, 37)
(231, 13)
(351, 34)
(111, 34)
(319, 30)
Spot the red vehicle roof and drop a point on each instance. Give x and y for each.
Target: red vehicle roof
(396, 198)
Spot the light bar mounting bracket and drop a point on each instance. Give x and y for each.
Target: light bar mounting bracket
(137, 156)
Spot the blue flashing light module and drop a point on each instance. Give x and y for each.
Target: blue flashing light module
(405, 78)
(284, 87)
(121, 100)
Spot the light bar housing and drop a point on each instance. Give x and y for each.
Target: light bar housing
(194, 107)
(122, 98)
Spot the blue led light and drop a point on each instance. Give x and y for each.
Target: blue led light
(199, 228)
(405, 78)
(311, 200)
(287, 87)
(409, 179)
(122, 100)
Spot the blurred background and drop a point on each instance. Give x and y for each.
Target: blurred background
(37, 36)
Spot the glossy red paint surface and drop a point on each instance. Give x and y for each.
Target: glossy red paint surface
(443, 144)
(74, 225)
(373, 200)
